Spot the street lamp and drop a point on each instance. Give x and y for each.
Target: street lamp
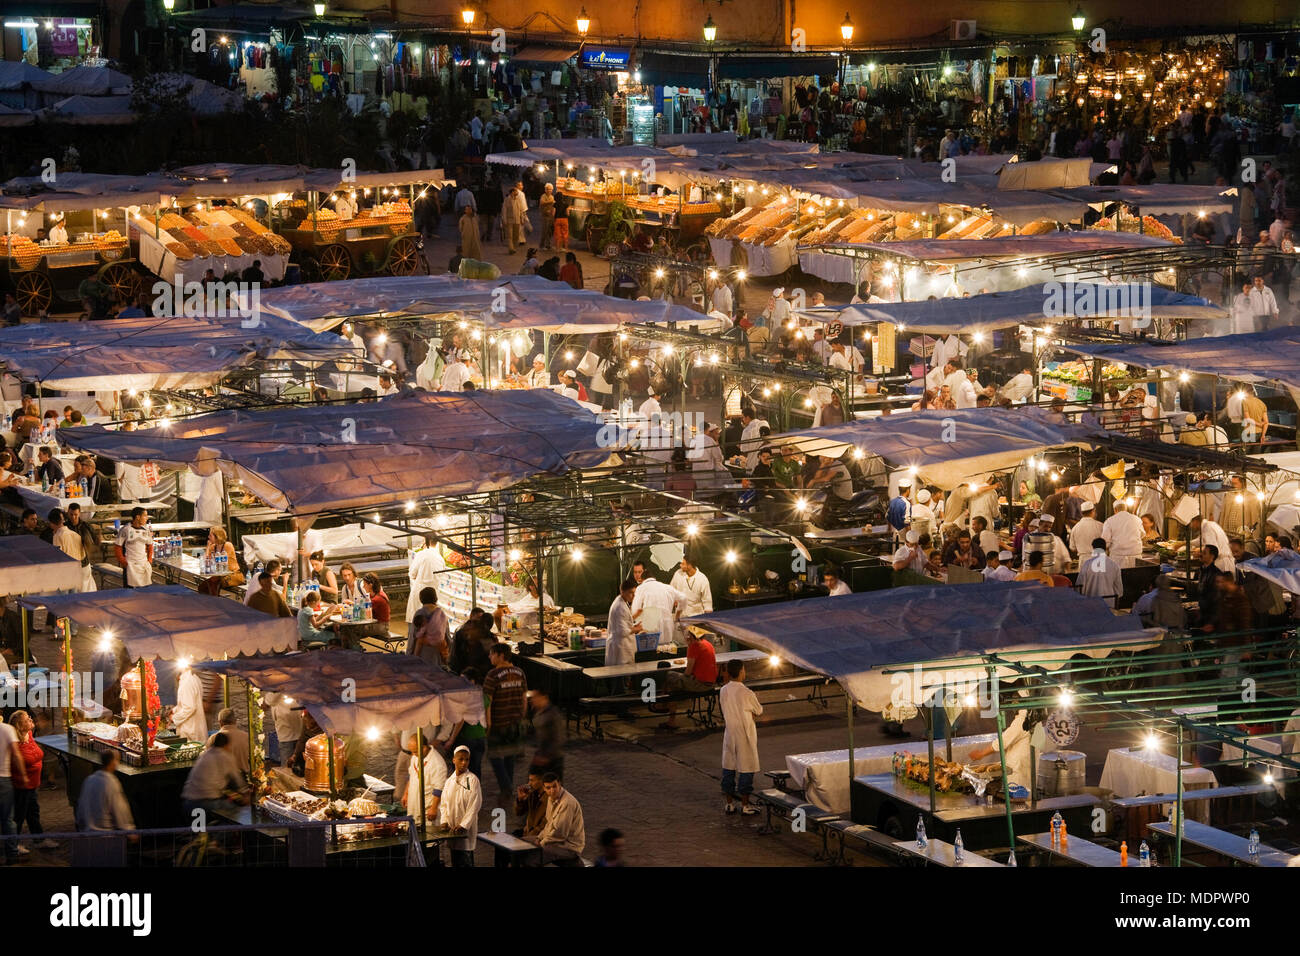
(467, 17)
(1078, 20)
(846, 30)
(584, 23)
(710, 30)
(169, 5)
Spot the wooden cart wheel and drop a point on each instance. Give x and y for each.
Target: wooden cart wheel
(335, 263)
(122, 281)
(403, 257)
(34, 293)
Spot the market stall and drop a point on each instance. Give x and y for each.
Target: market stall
(225, 239)
(87, 251)
(389, 692)
(136, 628)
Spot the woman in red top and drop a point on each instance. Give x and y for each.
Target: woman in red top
(25, 789)
(379, 608)
(571, 271)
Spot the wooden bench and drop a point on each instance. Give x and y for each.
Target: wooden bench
(789, 807)
(779, 779)
(846, 831)
(109, 576)
(508, 850)
(816, 681)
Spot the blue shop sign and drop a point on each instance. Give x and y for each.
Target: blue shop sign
(605, 58)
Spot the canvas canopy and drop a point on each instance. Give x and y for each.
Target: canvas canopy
(1281, 567)
(28, 565)
(390, 691)
(1272, 356)
(948, 446)
(14, 75)
(171, 621)
(517, 302)
(1032, 305)
(1010, 247)
(1048, 174)
(10, 117)
(940, 630)
(75, 191)
(311, 459)
(91, 111)
(148, 352)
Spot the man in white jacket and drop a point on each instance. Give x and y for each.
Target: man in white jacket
(462, 796)
(1085, 530)
(187, 716)
(1205, 531)
(1123, 533)
(514, 213)
(1099, 576)
(435, 779)
(740, 739)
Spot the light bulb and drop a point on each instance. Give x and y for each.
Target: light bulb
(774, 660)
(730, 557)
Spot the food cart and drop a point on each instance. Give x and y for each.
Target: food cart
(379, 238)
(96, 260)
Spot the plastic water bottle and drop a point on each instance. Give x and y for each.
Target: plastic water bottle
(958, 848)
(1254, 842)
(1056, 828)
(1178, 400)
(365, 609)
(1011, 860)
(1144, 854)
(921, 841)
(45, 482)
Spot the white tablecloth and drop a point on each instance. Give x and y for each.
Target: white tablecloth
(761, 261)
(832, 266)
(1132, 773)
(1273, 745)
(824, 776)
(43, 503)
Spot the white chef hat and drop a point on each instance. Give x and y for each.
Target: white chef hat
(904, 482)
(922, 497)
(538, 360)
(459, 749)
(1086, 506)
(568, 373)
(913, 537)
(1005, 556)
(650, 391)
(778, 291)
(1046, 520)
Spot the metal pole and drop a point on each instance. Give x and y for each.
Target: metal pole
(930, 733)
(419, 769)
(329, 742)
(144, 712)
(22, 614)
(848, 703)
(66, 626)
(252, 743)
(225, 685)
(1178, 805)
(1002, 756)
(541, 596)
(301, 559)
(473, 572)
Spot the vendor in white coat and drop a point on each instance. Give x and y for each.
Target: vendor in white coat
(751, 438)
(454, 376)
(135, 550)
(1016, 747)
(620, 642)
(435, 779)
(1123, 533)
(1099, 576)
(650, 407)
(740, 739)
(187, 716)
(538, 377)
(664, 600)
(423, 572)
(462, 796)
(697, 596)
(1085, 530)
(1205, 531)
(707, 464)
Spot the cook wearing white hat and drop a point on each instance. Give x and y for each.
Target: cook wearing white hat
(909, 557)
(923, 497)
(538, 377)
(568, 379)
(923, 520)
(650, 406)
(779, 314)
(996, 569)
(1086, 530)
(899, 513)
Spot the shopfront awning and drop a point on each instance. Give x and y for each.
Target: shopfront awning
(147, 352)
(545, 54)
(948, 446)
(387, 691)
(30, 566)
(311, 459)
(1272, 356)
(854, 638)
(773, 67)
(674, 69)
(171, 621)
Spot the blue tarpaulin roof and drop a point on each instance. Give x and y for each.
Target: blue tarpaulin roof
(1032, 305)
(312, 459)
(149, 352)
(949, 446)
(1272, 356)
(1282, 568)
(850, 638)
